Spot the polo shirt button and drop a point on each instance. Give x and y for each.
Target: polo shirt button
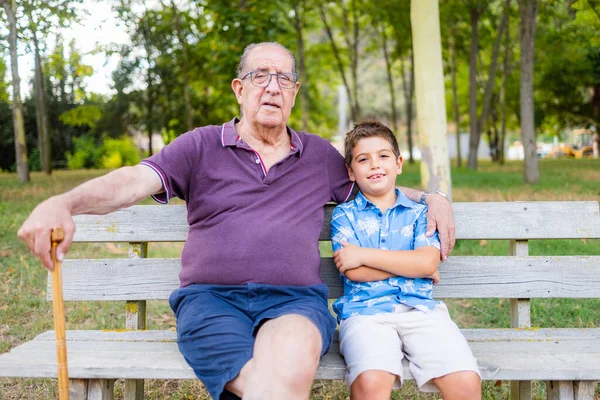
(379, 214)
(382, 240)
(257, 161)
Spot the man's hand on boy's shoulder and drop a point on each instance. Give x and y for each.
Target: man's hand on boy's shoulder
(348, 257)
(440, 216)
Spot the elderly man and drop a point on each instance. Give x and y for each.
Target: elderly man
(252, 316)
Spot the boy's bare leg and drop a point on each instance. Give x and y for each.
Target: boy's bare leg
(463, 385)
(372, 385)
(286, 357)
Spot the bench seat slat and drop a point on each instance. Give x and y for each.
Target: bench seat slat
(462, 277)
(490, 220)
(572, 354)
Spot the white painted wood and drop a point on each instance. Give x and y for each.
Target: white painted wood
(476, 220)
(584, 390)
(135, 311)
(134, 389)
(556, 355)
(559, 390)
(462, 277)
(520, 317)
(101, 389)
(503, 354)
(520, 390)
(135, 318)
(78, 389)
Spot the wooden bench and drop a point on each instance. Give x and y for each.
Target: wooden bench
(567, 359)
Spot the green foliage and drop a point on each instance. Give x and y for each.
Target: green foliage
(86, 154)
(120, 152)
(111, 153)
(84, 115)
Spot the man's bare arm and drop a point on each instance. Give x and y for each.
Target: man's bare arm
(439, 216)
(117, 189)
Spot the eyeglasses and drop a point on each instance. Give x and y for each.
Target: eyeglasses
(286, 80)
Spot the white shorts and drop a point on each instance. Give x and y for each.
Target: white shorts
(431, 342)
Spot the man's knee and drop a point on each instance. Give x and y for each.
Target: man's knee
(290, 344)
(373, 384)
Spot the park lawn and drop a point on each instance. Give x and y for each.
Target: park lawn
(24, 311)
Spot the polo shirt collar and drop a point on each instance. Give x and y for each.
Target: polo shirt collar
(230, 137)
(362, 203)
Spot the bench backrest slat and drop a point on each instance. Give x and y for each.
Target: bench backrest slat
(462, 277)
(493, 220)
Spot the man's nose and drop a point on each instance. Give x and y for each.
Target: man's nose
(273, 86)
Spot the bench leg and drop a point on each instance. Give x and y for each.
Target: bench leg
(101, 389)
(78, 389)
(584, 390)
(560, 390)
(570, 390)
(134, 389)
(520, 390)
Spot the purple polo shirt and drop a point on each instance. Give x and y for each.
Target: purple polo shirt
(247, 225)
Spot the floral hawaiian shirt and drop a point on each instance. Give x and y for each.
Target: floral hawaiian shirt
(401, 227)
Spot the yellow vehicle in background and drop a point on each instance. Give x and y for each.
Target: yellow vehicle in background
(580, 146)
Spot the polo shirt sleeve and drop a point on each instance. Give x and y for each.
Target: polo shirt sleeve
(342, 229)
(174, 164)
(420, 240)
(340, 185)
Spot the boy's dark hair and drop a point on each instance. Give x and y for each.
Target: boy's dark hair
(367, 129)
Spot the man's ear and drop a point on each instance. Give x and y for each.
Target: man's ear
(237, 87)
(296, 90)
(350, 173)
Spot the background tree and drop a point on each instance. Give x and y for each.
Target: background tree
(10, 8)
(528, 10)
(41, 19)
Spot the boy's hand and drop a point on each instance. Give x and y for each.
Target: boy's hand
(348, 257)
(441, 217)
(435, 277)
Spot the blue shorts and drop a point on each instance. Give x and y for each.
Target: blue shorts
(217, 325)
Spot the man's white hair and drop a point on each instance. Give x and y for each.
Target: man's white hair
(242, 67)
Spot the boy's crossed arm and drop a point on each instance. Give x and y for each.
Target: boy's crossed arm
(362, 264)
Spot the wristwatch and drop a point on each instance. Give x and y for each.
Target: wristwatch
(425, 194)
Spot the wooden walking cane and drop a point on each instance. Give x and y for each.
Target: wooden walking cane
(59, 318)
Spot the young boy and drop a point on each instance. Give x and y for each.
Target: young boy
(389, 267)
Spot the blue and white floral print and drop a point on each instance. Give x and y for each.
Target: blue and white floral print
(401, 227)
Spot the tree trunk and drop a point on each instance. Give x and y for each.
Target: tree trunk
(149, 104)
(339, 62)
(189, 118)
(17, 106)
(473, 121)
(354, 53)
(455, 98)
(596, 103)
(528, 10)
(388, 67)
(489, 87)
(41, 111)
(505, 71)
(304, 100)
(431, 102)
(408, 87)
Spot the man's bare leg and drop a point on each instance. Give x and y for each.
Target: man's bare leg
(286, 357)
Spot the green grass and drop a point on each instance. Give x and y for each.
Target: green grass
(24, 311)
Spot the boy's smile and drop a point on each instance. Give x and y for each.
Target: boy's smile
(374, 168)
